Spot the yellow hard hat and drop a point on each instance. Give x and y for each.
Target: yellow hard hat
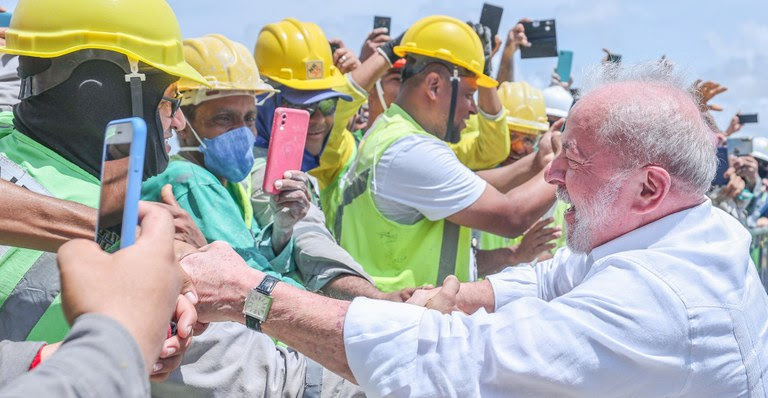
(525, 106)
(227, 66)
(144, 30)
(450, 40)
(297, 55)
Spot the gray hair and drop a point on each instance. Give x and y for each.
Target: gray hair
(664, 131)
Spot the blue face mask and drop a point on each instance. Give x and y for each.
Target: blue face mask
(229, 155)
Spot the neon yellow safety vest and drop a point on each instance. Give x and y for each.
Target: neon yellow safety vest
(489, 241)
(30, 304)
(396, 255)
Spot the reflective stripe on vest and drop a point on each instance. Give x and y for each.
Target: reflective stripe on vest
(31, 289)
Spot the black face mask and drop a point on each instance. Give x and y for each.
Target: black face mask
(70, 118)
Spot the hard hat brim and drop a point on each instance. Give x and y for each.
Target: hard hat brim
(181, 70)
(482, 80)
(329, 82)
(526, 125)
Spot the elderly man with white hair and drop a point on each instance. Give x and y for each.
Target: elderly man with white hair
(655, 296)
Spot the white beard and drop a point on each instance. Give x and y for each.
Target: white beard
(596, 213)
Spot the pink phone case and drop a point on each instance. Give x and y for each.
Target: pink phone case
(286, 145)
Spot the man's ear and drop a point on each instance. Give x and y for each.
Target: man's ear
(432, 83)
(655, 185)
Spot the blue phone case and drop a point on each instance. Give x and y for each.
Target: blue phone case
(135, 175)
(564, 61)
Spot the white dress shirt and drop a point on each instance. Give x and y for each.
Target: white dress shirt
(674, 308)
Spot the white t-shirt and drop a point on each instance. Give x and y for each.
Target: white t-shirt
(420, 176)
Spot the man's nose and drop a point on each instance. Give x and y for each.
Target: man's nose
(555, 174)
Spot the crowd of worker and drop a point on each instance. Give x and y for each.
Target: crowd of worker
(451, 231)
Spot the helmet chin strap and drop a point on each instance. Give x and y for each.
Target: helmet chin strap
(380, 93)
(451, 135)
(135, 78)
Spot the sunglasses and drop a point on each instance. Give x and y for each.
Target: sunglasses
(175, 103)
(327, 106)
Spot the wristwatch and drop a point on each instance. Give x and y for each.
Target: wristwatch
(258, 303)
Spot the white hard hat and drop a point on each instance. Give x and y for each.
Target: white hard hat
(760, 148)
(558, 101)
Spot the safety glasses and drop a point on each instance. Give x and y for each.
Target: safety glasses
(327, 106)
(175, 104)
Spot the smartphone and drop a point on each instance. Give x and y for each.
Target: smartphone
(334, 47)
(5, 19)
(543, 38)
(722, 166)
(491, 17)
(286, 145)
(122, 169)
(748, 118)
(564, 62)
(382, 22)
(741, 146)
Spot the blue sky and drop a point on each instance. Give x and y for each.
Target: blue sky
(716, 40)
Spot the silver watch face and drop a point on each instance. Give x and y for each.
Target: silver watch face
(257, 305)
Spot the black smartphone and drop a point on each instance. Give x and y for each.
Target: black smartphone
(748, 118)
(722, 166)
(491, 17)
(334, 47)
(615, 58)
(543, 38)
(382, 22)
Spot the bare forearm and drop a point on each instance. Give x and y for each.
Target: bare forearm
(528, 202)
(370, 71)
(347, 287)
(507, 65)
(280, 238)
(513, 175)
(492, 261)
(311, 324)
(39, 222)
(488, 100)
(475, 295)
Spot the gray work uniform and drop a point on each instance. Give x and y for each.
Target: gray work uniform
(99, 358)
(318, 257)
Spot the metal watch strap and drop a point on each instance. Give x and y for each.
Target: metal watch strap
(265, 288)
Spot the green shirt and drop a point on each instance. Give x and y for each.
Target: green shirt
(220, 212)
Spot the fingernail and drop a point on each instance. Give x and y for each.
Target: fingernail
(170, 351)
(278, 184)
(189, 330)
(288, 175)
(158, 366)
(191, 296)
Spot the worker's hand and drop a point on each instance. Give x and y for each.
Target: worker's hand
(733, 126)
(185, 228)
(399, 296)
(290, 206)
(549, 144)
(735, 185)
(137, 286)
(344, 58)
(536, 241)
(377, 38)
(175, 346)
(705, 91)
(746, 168)
(516, 38)
(217, 271)
(442, 299)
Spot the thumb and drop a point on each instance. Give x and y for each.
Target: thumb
(451, 285)
(187, 287)
(166, 194)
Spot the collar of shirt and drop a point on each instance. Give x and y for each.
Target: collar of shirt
(648, 234)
